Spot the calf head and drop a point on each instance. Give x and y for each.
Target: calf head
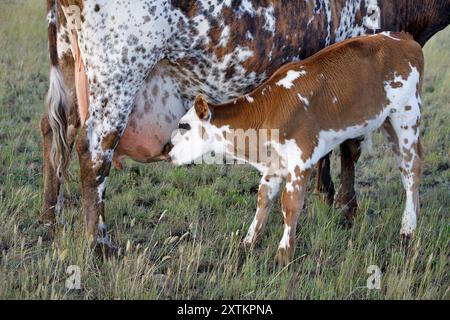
(196, 135)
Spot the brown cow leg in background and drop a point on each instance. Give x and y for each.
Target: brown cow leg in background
(346, 197)
(52, 186)
(52, 206)
(324, 186)
(51, 181)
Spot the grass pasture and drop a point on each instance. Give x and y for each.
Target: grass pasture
(180, 229)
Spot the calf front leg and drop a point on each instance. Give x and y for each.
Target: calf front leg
(268, 189)
(291, 203)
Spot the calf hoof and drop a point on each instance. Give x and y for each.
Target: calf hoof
(250, 241)
(247, 246)
(284, 257)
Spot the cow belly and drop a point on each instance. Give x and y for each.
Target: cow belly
(156, 112)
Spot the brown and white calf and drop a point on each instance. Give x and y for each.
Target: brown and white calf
(308, 108)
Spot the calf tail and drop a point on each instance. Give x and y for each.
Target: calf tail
(56, 101)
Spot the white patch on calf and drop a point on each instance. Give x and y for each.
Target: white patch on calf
(291, 75)
(190, 146)
(284, 243)
(249, 98)
(304, 100)
(387, 34)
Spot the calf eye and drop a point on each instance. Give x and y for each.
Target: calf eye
(184, 126)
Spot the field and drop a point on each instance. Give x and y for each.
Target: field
(180, 229)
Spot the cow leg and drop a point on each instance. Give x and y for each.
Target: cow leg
(96, 145)
(346, 196)
(116, 67)
(291, 203)
(53, 186)
(323, 185)
(94, 176)
(268, 189)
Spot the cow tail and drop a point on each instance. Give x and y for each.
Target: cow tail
(56, 101)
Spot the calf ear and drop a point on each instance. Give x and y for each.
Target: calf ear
(201, 107)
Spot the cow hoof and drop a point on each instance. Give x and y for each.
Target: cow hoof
(49, 224)
(47, 220)
(406, 242)
(106, 249)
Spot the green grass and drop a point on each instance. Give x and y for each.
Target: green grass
(180, 228)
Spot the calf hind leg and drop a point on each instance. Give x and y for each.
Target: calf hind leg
(403, 136)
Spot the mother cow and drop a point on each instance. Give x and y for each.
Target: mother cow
(133, 67)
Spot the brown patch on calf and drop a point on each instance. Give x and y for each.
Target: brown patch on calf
(396, 85)
(201, 107)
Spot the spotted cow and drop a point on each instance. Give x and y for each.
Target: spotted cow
(124, 72)
(307, 108)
